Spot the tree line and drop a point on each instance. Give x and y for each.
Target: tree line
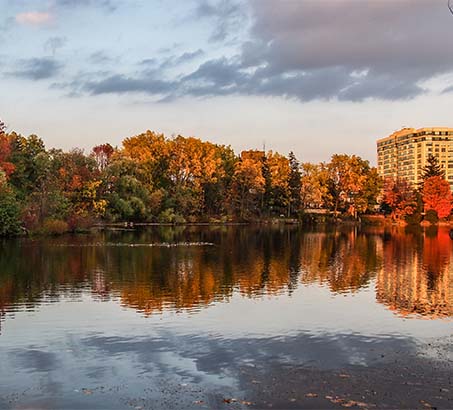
(153, 178)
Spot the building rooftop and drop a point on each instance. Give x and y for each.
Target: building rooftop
(406, 131)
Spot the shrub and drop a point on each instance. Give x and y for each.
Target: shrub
(431, 216)
(53, 226)
(169, 216)
(79, 223)
(414, 218)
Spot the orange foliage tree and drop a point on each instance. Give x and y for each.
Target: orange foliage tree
(437, 196)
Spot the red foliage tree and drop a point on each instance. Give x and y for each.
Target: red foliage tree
(437, 196)
(102, 154)
(400, 197)
(5, 151)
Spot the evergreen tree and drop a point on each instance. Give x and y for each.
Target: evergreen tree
(295, 184)
(266, 205)
(432, 169)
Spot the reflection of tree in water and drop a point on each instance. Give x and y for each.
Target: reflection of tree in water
(412, 272)
(416, 278)
(345, 260)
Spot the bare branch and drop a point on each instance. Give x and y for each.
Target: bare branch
(450, 6)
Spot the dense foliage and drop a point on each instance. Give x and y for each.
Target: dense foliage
(152, 178)
(433, 199)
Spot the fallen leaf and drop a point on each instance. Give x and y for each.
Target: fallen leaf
(352, 403)
(336, 400)
(311, 395)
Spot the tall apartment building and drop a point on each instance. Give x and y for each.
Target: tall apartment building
(404, 153)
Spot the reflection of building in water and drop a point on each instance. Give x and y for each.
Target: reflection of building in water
(416, 276)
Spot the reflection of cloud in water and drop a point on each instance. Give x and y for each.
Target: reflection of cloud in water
(35, 360)
(214, 356)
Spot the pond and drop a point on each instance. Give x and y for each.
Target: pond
(228, 318)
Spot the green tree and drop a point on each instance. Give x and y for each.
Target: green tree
(432, 168)
(9, 209)
(26, 155)
(128, 197)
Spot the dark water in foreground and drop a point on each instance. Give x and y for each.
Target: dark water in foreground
(249, 317)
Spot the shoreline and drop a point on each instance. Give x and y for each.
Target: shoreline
(365, 221)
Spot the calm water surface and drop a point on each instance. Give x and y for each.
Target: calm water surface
(205, 317)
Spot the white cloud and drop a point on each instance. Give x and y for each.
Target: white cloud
(34, 18)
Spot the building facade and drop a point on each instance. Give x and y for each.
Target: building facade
(404, 153)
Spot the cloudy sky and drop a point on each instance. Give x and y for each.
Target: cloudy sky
(313, 76)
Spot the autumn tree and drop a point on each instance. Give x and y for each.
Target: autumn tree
(400, 198)
(5, 154)
(102, 154)
(217, 188)
(437, 196)
(193, 164)
(247, 186)
(352, 184)
(314, 186)
(152, 151)
(280, 195)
